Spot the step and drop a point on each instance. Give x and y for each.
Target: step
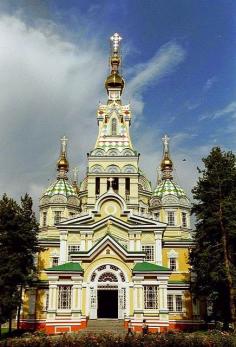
(98, 326)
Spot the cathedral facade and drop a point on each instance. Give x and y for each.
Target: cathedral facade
(112, 247)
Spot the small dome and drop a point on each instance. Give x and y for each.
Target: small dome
(62, 187)
(114, 81)
(168, 187)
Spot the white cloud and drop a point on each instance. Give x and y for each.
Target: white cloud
(228, 110)
(167, 58)
(47, 84)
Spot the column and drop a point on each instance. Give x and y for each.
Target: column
(163, 309)
(76, 296)
(63, 246)
(138, 242)
(82, 242)
(131, 242)
(89, 242)
(158, 248)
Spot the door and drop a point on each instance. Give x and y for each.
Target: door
(107, 303)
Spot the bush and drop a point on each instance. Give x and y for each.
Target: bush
(173, 339)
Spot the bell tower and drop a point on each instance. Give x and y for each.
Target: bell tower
(113, 155)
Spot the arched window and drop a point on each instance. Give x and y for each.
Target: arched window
(113, 126)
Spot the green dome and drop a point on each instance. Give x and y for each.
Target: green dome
(61, 186)
(169, 187)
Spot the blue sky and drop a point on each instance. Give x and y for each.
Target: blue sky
(178, 63)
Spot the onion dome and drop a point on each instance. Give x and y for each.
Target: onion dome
(168, 187)
(114, 80)
(61, 186)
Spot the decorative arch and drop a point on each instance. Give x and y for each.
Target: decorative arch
(113, 169)
(96, 169)
(145, 184)
(113, 152)
(127, 153)
(99, 152)
(108, 273)
(129, 169)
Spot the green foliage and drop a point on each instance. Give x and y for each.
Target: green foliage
(18, 240)
(210, 339)
(213, 259)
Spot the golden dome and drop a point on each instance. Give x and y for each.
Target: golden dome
(114, 81)
(62, 163)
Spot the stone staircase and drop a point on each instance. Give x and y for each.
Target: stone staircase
(99, 326)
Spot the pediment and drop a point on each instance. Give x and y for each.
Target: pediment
(108, 243)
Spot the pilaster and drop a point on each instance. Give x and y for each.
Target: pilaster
(63, 246)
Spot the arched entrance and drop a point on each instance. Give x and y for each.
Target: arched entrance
(107, 293)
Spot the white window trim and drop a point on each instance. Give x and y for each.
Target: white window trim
(173, 254)
(174, 211)
(157, 297)
(175, 293)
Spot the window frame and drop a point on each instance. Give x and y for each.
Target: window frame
(64, 297)
(57, 217)
(171, 223)
(151, 297)
(175, 296)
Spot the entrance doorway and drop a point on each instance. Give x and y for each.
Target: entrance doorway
(107, 303)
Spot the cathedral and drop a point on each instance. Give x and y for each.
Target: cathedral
(113, 247)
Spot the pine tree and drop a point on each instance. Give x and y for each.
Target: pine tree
(213, 259)
(18, 240)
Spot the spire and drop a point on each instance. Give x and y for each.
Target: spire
(62, 163)
(166, 163)
(114, 83)
(75, 180)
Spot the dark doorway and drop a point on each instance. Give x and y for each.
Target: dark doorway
(107, 303)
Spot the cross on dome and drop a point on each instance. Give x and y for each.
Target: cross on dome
(110, 180)
(64, 141)
(166, 141)
(115, 39)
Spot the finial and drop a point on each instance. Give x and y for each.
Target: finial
(64, 141)
(62, 164)
(115, 39)
(166, 163)
(114, 83)
(165, 141)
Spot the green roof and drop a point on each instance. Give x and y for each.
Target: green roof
(178, 282)
(66, 267)
(168, 186)
(145, 266)
(61, 186)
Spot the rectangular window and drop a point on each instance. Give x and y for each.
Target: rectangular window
(46, 300)
(97, 186)
(44, 219)
(175, 303)
(150, 297)
(127, 186)
(179, 304)
(170, 302)
(73, 248)
(64, 297)
(184, 219)
(171, 218)
(173, 264)
(57, 217)
(54, 261)
(149, 250)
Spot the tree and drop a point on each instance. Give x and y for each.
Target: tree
(213, 259)
(18, 240)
